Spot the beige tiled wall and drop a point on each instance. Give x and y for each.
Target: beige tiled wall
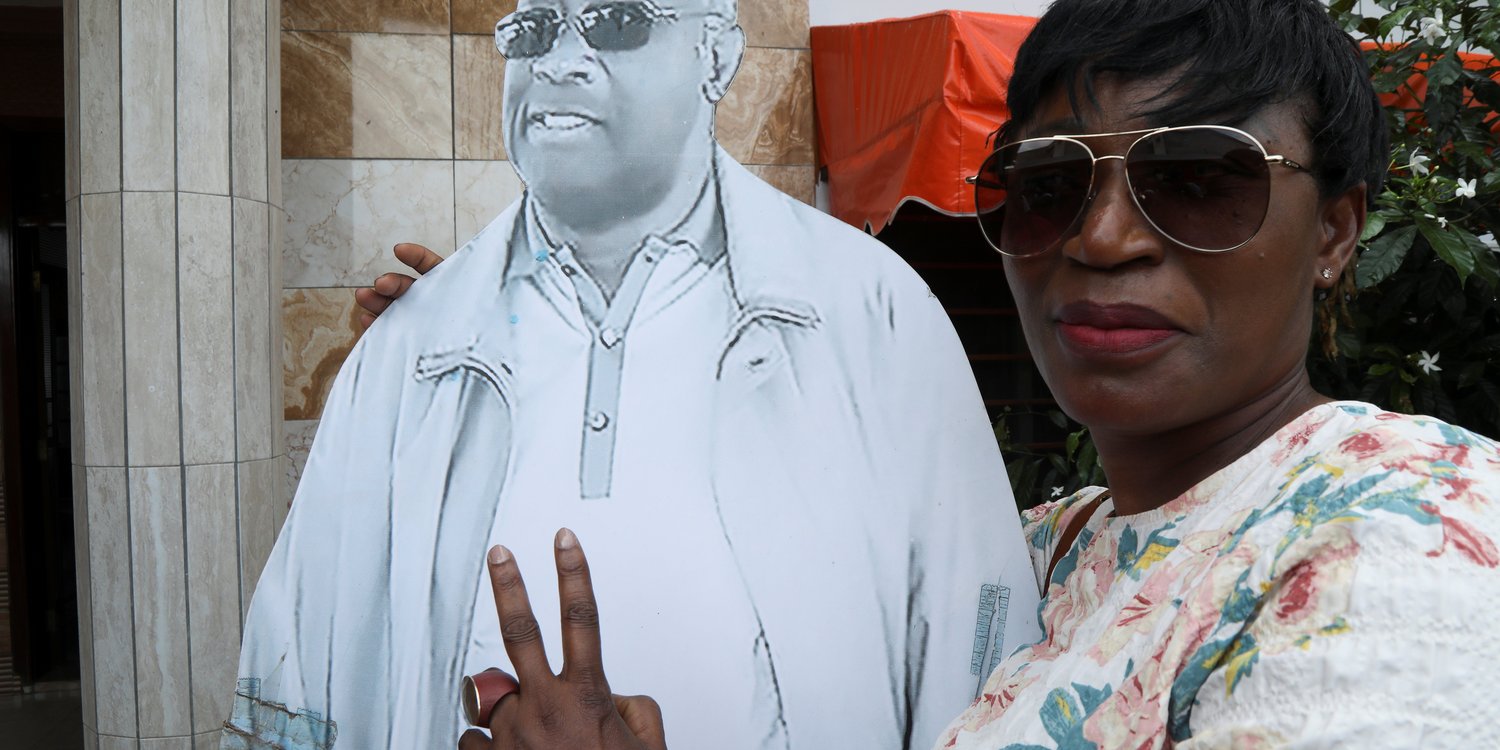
(391, 132)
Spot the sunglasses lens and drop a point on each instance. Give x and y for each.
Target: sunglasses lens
(617, 26)
(1028, 194)
(529, 33)
(1204, 188)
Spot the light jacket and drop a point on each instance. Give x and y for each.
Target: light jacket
(855, 473)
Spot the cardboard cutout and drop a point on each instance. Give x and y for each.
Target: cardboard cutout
(758, 420)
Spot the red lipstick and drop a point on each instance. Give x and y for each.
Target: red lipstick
(1093, 328)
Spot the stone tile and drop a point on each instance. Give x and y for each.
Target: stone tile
(159, 577)
(273, 102)
(391, 16)
(167, 743)
(299, 440)
(113, 742)
(256, 385)
(259, 491)
(74, 269)
(775, 23)
(283, 503)
(480, 16)
(147, 115)
(278, 337)
(767, 116)
(205, 295)
(150, 274)
(110, 599)
(322, 326)
(90, 739)
(344, 216)
(98, 95)
(101, 333)
(800, 182)
(483, 189)
(203, 97)
(249, 93)
(478, 87)
(206, 741)
(366, 95)
(213, 586)
(81, 553)
(70, 99)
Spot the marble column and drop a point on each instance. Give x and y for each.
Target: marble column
(174, 224)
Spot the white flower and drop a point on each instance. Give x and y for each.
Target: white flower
(1442, 222)
(1418, 163)
(1057, 491)
(1428, 363)
(1433, 29)
(1488, 239)
(1466, 188)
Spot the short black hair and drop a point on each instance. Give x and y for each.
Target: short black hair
(1233, 58)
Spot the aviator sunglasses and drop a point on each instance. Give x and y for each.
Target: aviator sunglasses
(612, 27)
(1205, 187)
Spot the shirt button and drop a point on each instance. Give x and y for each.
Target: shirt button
(598, 421)
(609, 337)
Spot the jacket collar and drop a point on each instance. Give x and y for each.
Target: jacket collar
(768, 268)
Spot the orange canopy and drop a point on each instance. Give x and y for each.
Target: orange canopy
(906, 107)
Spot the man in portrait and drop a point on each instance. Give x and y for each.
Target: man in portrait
(757, 418)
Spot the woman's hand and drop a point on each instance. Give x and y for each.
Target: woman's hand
(575, 709)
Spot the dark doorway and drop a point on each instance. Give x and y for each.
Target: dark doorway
(38, 588)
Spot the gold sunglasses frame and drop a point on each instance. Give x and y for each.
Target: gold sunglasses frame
(1094, 173)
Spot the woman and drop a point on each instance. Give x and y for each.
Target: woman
(1269, 567)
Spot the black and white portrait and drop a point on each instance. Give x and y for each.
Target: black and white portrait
(758, 419)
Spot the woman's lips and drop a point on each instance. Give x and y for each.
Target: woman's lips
(1093, 328)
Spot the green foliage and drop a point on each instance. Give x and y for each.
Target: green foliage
(1039, 476)
(1416, 327)
(1422, 334)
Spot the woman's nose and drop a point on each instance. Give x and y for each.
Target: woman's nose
(1113, 231)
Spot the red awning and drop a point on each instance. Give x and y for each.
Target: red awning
(906, 107)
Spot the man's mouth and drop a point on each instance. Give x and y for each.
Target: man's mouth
(561, 121)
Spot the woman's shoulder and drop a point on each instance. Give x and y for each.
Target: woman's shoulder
(1365, 446)
(1393, 481)
(1044, 525)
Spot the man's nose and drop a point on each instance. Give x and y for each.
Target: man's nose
(1113, 231)
(570, 61)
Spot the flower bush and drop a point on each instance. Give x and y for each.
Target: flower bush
(1415, 325)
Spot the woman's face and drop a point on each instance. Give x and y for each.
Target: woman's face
(1137, 335)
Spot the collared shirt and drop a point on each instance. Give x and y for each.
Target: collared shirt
(614, 398)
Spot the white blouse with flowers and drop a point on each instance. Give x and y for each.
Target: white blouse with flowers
(1338, 586)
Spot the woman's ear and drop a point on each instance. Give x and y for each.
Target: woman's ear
(723, 49)
(1343, 221)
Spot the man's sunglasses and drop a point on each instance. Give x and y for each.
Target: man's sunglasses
(614, 26)
(1205, 187)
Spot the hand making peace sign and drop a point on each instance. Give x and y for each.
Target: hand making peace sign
(575, 709)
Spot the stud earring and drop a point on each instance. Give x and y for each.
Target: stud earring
(1328, 274)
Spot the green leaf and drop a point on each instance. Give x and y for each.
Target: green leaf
(1392, 20)
(1449, 246)
(1373, 225)
(1444, 72)
(1384, 256)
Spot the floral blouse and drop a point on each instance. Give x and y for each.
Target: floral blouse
(1338, 586)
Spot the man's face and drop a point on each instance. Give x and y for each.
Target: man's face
(581, 119)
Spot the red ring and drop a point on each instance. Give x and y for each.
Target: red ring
(483, 691)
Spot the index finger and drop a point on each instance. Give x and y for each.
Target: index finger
(417, 257)
(582, 658)
(518, 626)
